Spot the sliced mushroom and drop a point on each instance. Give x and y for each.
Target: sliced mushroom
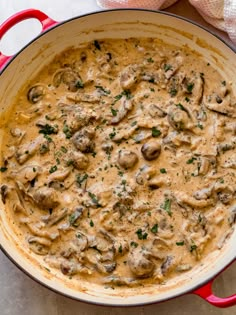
(183, 198)
(41, 232)
(46, 198)
(80, 243)
(144, 174)
(11, 196)
(92, 98)
(36, 93)
(220, 104)
(126, 106)
(69, 78)
(129, 76)
(120, 281)
(167, 265)
(39, 245)
(27, 173)
(155, 111)
(232, 215)
(78, 212)
(82, 140)
(27, 150)
(179, 118)
(172, 66)
(80, 160)
(59, 175)
(55, 217)
(151, 150)
(127, 159)
(140, 264)
(203, 194)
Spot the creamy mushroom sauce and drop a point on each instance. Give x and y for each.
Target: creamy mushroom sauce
(119, 162)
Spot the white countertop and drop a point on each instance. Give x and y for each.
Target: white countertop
(19, 295)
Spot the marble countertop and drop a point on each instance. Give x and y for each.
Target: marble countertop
(19, 295)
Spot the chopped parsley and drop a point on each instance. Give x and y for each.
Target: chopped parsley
(180, 243)
(134, 123)
(167, 206)
(53, 169)
(163, 171)
(97, 45)
(128, 94)
(223, 83)
(91, 223)
(154, 229)
(112, 134)
(101, 88)
(94, 199)
(190, 161)
(187, 99)
(200, 126)
(134, 244)
(67, 131)
(141, 235)
(3, 169)
(167, 67)
(193, 247)
(155, 132)
(64, 149)
(48, 129)
(114, 111)
(120, 249)
(81, 178)
(181, 107)
(150, 60)
(190, 87)
(79, 84)
(173, 92)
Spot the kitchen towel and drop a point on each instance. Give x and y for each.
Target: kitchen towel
(220, 13)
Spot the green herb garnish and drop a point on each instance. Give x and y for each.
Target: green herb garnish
(79, 84)
(3, 169)
(114, 112)
(193, 247)
(48, 129)
(190, 161)
(180, 243)
(163, 170)
(154, 229)
(167, 206)
(167, 67)
(101, 88)
(67, 131)
(97, 45)
(134, 244)
(190, 87)
(94, 199)
(81, 178)
(150, 60)
(53, 169)
(141, 235)
(155, 132)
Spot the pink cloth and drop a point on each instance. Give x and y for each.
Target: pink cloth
(220, 13)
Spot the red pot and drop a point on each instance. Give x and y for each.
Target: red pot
(56, 37)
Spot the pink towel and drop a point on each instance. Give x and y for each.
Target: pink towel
(220, 13)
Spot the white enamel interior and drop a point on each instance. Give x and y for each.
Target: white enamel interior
(113, 24)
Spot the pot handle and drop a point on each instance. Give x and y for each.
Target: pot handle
(45, 21)
(206, 293)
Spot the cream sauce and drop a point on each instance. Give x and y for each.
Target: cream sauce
(119, 162)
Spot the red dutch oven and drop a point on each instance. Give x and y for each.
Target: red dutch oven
(56, 37)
